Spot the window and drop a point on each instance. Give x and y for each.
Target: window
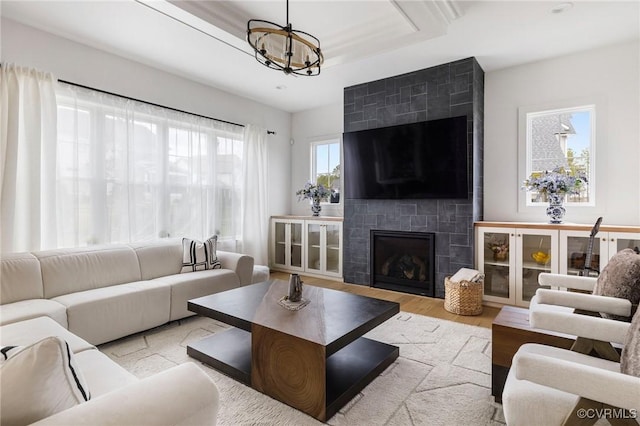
(562, 138)
(128, 171)
(325, 170)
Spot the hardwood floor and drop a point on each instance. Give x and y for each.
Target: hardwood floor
(408, 302)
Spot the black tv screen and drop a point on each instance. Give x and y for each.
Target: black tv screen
(410, 161)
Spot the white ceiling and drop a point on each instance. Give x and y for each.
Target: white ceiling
(362, 40)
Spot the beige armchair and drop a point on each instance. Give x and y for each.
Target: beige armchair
(552, 386)
(556, 311)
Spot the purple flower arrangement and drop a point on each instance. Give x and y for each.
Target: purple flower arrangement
(556, 181)
(314, 192)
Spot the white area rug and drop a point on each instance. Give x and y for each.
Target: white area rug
(442, 377)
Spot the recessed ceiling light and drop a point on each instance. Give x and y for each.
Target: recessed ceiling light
(561, 7)
(281, 87)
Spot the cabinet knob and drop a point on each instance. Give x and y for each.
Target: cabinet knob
(519, 235)
(604, 239)
(613, 239)
(512, 235)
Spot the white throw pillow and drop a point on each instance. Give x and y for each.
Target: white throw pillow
(7, 352)
(38, 381)
(199, 256)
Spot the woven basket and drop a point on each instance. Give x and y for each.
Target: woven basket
(464, 297)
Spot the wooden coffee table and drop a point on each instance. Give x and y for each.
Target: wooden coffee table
(314, 359)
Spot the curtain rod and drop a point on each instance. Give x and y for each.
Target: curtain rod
(269, 132)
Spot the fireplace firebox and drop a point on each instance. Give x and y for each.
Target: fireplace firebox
(403, 261)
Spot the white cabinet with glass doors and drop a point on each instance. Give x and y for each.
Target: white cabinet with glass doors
(307, 245)
(513, 254)
(512, 259)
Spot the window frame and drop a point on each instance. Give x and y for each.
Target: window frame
(314, 144)
(525, 115)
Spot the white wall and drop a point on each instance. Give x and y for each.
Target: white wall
(608, 77)
(306, 127)
(82, 64)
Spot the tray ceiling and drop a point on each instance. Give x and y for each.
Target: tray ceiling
(363, 40)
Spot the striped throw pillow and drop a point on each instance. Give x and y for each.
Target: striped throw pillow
(199, 256)
(39, 380)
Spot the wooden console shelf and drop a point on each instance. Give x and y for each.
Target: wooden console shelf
(559, 226)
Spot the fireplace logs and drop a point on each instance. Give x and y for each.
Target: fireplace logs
(406, 266)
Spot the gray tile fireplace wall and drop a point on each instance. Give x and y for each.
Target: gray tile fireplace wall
(448, 90)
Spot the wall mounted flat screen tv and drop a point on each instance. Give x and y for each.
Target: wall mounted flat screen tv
(423, 160)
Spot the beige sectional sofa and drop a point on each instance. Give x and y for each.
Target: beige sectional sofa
(92, 295)
(102, 293)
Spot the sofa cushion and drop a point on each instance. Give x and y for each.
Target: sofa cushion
(197, 284)
(620, 278)
(33, 308)
(159, 258)
(40, 380)
(67, 271)
(21, 278)
(27, 332)
(108, 313)
(198, 256)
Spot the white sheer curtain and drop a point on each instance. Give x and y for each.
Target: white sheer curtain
(27, 159)
(129, 171)
(254, 217)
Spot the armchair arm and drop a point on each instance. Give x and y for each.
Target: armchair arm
(587, 302)
(182, 395)
(598, 384)
(241, 264)
(567, 281)
(563, 320)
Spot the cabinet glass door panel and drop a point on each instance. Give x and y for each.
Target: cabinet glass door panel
(496, 281)
(313, 246)
(536, 258)
(496, 264)
(296, 244)
(577, 251)
(280, 243)
(621, 243)
(332, 254)
(530, 283)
